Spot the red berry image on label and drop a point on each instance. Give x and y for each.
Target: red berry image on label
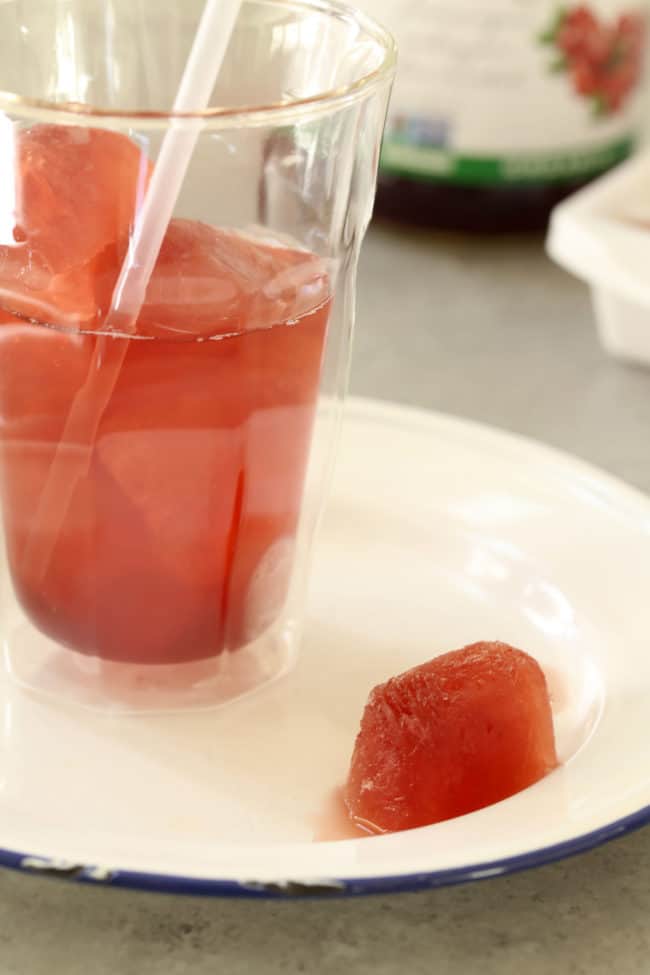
(603, 59)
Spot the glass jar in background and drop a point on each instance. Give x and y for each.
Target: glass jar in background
(503, 107)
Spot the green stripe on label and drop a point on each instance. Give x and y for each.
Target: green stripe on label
(438, 165)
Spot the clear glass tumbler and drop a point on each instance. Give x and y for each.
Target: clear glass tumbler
(161, 480)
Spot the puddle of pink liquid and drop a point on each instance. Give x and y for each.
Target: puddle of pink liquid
(333, 821)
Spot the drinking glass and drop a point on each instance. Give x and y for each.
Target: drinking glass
(161, 480)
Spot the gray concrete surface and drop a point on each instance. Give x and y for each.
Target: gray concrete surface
(488, 330)
(492, 330)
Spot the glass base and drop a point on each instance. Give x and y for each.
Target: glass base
(41, 665)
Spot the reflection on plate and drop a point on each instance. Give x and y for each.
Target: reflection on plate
(439, 532)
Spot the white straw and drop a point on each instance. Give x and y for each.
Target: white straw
(199, 77)
(86, 411)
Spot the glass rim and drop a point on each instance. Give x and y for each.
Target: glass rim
(222, 117)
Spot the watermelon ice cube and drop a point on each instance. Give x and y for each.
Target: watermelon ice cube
(65, 220)
(450, 736)
(209, 281)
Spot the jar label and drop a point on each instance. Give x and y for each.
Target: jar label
(512, 91)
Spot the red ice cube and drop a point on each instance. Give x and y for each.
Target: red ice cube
(458, 733)
(65, 224)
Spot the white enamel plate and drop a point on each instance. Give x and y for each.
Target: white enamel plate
(439, 533)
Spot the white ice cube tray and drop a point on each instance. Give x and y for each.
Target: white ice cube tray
(602, 235)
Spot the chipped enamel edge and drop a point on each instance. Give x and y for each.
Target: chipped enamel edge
(317, 887)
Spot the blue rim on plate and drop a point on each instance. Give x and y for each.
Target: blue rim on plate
(352, 887)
